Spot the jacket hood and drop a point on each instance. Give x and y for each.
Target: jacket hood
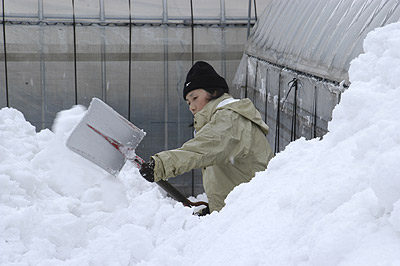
(243, 107)
(247, 109)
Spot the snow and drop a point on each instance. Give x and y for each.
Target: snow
(334, 201)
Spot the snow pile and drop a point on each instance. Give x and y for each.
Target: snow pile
(329, 202)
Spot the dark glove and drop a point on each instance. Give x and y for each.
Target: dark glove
(147, 170)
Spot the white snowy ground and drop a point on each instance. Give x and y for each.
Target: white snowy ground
(326, 202)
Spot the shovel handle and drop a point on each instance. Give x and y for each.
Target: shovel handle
(170, 189)
(175, 194)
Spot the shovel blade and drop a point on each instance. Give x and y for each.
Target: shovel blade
(94, 146)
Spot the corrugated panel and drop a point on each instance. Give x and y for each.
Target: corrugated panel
(318, 37)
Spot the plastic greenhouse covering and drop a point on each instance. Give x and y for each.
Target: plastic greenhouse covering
(296, 61)
(134, 55)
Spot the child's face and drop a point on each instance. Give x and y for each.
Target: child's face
(197, 99)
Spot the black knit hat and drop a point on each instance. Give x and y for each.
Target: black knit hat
(203, 76)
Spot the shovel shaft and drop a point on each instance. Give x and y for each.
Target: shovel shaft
(170, 189)
(175, 194)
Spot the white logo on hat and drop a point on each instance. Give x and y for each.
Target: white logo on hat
(187, 84)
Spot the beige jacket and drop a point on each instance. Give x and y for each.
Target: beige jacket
(229, 146)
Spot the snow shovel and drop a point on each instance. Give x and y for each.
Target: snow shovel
(107, 139)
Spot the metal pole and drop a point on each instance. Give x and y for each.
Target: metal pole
(102, 14)
(246, 81)
(294, 117)
(5, 55)
(248, 19)
(103, 53)
(255, 83)
(166, 80)
(43, 77)
(75, 63)
(315, 112)
(223, 38)
(278, 116)
(192, 58)
(255, 10)
(192, 27)
(60, 19)
(40, 10)
(223, 15)
(165, 11)
(42, 64)
(130, 62)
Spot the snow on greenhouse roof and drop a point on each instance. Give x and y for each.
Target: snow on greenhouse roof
(318, 37)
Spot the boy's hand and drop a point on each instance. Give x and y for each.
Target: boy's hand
(147, 170)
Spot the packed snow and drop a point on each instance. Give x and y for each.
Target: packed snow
(334, 201)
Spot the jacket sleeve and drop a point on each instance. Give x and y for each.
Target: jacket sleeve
(222, 140)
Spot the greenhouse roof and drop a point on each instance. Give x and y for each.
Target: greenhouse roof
(318, 37)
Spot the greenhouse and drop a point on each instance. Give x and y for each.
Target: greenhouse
(289, 57)
(295, 65)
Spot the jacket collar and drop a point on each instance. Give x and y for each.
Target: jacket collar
(204, 116)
